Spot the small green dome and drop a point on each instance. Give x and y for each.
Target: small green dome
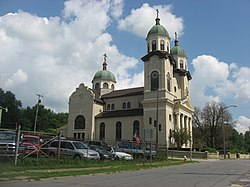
(104, 75)
(158, 29)
(176, 50)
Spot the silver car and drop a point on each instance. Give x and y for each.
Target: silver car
(72, 149)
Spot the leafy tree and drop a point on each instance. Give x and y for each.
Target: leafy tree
(47, 120)
(209, 123)
(247, 141)
(10, 118)
(180, 136)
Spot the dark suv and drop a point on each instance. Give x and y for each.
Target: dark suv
(98, 143)
(136, 150)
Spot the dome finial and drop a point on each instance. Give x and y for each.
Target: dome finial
(157, 19)
(176, 39)
(105, 62)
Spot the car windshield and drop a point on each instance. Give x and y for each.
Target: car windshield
(117, 149)
(80, 145)
(31, 139)
(7, 136)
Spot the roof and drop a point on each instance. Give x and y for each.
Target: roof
(160, 54)
(124, 93)
(104, 75)
(183, 72)
(121, 113)
(176, 50)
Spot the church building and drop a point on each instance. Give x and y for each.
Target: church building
(150, 112)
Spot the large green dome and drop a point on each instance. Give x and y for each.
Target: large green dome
(158, 29)
(104, 75)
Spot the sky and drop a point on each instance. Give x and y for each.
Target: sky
(51, 47)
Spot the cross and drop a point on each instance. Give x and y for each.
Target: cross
(175, 36)
(157, 11)
(105, 57)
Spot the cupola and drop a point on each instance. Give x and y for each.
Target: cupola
(158, 37)
(104, 80)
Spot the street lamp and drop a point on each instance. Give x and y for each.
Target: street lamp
(224, 137)
(37, 107)
(1, 110)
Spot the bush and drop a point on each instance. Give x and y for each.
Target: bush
(209, 149)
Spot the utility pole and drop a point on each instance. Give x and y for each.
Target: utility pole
(157, 119)
(37, 107)
(1, 110)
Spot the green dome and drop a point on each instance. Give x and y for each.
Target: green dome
(158, 29)
(104, 75)
(176, 50)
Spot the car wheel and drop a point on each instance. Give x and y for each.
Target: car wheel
(77, 157)
(52, 155)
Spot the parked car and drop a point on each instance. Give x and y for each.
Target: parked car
(73, 150)
(136, 150)
(31, 144)
(119, 154)
(104, 154)
(7, 143)
(98, 143)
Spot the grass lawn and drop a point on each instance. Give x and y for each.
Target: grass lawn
(36, 169)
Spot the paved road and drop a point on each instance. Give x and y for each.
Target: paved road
(215, 173)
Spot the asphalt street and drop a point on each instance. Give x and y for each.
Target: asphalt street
(210, 173)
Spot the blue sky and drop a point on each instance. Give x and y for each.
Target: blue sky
(50, 47)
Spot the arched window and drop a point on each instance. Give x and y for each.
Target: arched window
(79, 122)
(105, 85)
(186, 92)
(154, 80)
(128, 105)
(168, 82)
(113, 107)
(123, 105)
(160, 128)
(162, 45)
(153, 45)
(167, 47)
(102, 131)
(118, 130)
(112, 86)
(108, 107)
(97, 86)
(150, 120)
(170, 117)
(136, 127)
(181, 64)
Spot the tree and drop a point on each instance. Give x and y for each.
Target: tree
(209, 122)
(10, 118)
(48, 121)
(180, 136)
(247, 141)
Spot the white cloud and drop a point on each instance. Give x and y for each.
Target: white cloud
(243, 124)
(208, 74)
(19, 77)
(52, 56)
(141, 20)
(216, 80)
